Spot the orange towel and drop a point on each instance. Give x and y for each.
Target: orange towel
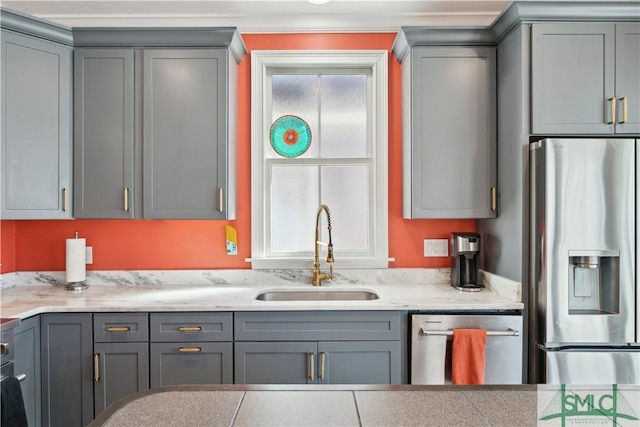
(467, 356)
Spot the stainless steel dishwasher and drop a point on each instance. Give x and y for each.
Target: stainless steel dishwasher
(431, 339)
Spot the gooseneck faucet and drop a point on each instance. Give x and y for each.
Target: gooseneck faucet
(317, 275)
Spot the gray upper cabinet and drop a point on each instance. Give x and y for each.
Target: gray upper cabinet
(584, 78)
(449, 132)
(155, 122)
(104, 133)
(36, 128)
(628, 77)
(185, 134)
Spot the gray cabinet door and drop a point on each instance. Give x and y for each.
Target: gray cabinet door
(104, 133)
(119, 369)
(67, 371)
(191, 363)
(359, 362)
(572, 78)
(185, 133)
(27, 361)
(628, 78)
(276, 362)
(450, 145)
(36, 122)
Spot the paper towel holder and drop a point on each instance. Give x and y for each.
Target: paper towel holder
(78, 285)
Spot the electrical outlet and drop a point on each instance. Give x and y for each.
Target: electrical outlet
(88, 252)
(436, 247)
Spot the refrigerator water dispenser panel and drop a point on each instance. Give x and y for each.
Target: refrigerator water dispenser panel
(594, 282)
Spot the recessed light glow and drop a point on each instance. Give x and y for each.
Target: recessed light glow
(318, 1)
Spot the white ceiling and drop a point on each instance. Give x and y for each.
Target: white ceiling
(265, 16)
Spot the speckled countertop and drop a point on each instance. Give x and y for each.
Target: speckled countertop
(240, 405)
(27, 294)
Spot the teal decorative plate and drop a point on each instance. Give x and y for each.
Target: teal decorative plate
(290, 136)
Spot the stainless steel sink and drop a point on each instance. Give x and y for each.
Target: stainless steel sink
(314, 295)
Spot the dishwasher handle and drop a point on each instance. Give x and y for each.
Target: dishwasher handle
(448, 332)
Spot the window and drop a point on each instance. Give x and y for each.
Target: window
(342, 97)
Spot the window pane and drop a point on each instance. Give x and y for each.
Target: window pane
(296, 94)
(345, 189)
(294, 200)
(343, 115)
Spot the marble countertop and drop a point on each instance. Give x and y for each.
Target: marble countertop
(225, 290)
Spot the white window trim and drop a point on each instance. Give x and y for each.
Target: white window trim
(261, 62)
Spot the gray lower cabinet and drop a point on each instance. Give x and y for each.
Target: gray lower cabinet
(321, 347)
(67, 370)
(191, 348)
(584, 78)
(104, 133)
(449, 136)
(27, 361)
(36, 128)
(120, 356)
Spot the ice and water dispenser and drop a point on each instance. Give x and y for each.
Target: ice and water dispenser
(594, 282)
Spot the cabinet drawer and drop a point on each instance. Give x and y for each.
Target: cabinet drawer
(191, 363)
(120, 327)
(184, 327)
(325, 325)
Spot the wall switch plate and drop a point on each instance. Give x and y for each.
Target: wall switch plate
(436, 247)
(88, 251)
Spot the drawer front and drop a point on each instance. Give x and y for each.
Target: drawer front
(324, 325)
(191, 363)
(188, 327)
(120, 327)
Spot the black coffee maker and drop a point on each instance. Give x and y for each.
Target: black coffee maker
(465, 252)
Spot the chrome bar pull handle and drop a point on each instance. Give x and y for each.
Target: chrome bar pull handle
(624, 110)
(312, 367)
(220, 200)
(96, 367)
(449, 332)
(190, 349)
(126, 199)
(118, 329)
(65, 200)
(21, 377)
(323, 357)
(190, 328)
(612, 106)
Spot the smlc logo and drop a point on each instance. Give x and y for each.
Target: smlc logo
(602, 407)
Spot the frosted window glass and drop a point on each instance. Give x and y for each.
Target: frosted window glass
(294, 201)
(345, 189)
(296, 94)
(343, 115)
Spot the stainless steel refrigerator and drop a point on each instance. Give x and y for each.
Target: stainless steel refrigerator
(584, 324)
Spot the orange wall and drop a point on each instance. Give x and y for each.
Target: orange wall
(200, 244)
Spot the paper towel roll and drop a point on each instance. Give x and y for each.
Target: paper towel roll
(76, 260)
